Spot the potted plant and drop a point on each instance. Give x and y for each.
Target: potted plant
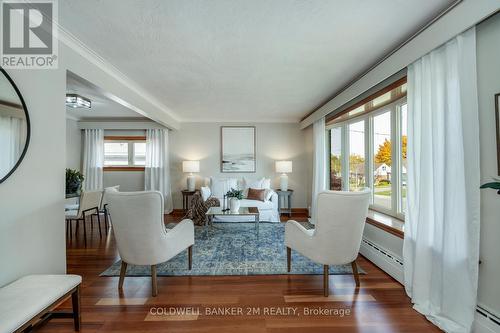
(74, 179)
(494, 185)
(234, 199)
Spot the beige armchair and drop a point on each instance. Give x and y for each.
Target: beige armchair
(337, 237)
(140, 232)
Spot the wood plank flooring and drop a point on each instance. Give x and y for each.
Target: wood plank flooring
(277, 303)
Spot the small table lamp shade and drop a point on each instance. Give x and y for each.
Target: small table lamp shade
(284, 167)
(190, 166)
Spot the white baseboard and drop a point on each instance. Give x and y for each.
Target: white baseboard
(485, 322)
(384, 259)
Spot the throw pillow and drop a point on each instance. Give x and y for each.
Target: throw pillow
(256, 194)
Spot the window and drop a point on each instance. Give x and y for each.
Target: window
(404, 134)
(336, 158)
(368, 149)
(124, 153)
(382, 160)
(357, 179)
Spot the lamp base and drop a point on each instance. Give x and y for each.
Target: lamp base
(284, 182)
(190, 183)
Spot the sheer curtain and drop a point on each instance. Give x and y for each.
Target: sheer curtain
(441, 246)
(93, 159)
(319, 163)
(157, 172)
(12, 140)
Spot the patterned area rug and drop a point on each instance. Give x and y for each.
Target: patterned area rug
(235, 249)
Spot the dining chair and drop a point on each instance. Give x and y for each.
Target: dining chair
(89, 206)
(339, 222)
(103, 209)
(141, 235)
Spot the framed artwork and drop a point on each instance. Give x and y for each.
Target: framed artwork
(497, 118)
(238, 149)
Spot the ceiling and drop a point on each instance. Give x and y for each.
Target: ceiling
(240, 60)
(102, 106)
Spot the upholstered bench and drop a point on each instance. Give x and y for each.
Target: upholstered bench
(29, 301)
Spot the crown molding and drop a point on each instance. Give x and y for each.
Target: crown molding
(90, 55)
(242, 120)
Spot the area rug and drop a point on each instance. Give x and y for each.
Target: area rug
(235, 249)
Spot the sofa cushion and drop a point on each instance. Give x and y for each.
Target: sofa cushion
(205, 193)
(220, 186)
(256, 194)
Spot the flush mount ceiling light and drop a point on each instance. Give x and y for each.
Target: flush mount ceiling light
(77, 101)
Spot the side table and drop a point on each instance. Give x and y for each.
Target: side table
(186, 195)
(286, 196)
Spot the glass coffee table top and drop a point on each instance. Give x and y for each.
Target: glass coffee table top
(242, 211)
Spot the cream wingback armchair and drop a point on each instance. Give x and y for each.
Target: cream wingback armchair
(140, 232)
(340, 219)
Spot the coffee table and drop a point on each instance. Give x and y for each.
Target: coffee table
(243, 211)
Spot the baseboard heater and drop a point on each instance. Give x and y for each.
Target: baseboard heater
(486, 321)
(384, 259)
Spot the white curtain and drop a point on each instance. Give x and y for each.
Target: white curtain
(441, 246)
(157, 172)
(319, 163)
(12, 141)
(93, 159)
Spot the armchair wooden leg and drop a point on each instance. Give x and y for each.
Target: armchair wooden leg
(288, 259)
(123, 271)
(75, 300)
(326, 271)
(355, 272)
(190, 257)
(154, 284)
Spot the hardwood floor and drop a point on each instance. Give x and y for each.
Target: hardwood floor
(276, 303)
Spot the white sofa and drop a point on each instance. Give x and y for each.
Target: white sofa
(218, 187)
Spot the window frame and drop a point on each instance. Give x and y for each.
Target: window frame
(396, 148)
(130, 140)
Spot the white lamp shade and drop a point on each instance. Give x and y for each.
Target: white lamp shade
(284, 166)
(190, 166)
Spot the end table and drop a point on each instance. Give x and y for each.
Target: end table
(186, 195)
(287, 199)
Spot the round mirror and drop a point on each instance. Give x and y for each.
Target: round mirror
(14, 126)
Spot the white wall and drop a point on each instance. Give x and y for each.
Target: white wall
(275, 141)
(73, 145)
(32, 238)
(488, 71)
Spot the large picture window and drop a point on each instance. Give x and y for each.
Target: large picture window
(369, 150)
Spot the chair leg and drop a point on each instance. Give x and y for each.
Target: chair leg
(326, 271)
(106, 225)
(288, 259)
(154, 285)
(355, 272)
(70, 229)
(99, 223)
(75, 300)
(85, 230)
(67, 228)
(123, 271)
(190, 257)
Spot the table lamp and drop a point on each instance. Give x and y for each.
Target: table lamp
(190, 166)
(284, 167)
